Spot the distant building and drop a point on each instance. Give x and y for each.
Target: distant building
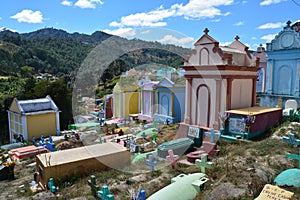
(170, 100)
(261, 80)
(148, 96)
(126, 97)
(283, 67)
(108, 106)
(218, 79)
(32, 118)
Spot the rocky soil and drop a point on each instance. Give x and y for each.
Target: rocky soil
(240, 172)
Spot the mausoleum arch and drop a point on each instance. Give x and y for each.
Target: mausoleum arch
(284, 87)
(204, 56)
(203, 105)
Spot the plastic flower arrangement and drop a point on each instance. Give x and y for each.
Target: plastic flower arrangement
(10, 163)
(249, 120)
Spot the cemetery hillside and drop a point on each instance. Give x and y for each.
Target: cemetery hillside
(98, 116)
(35, 64)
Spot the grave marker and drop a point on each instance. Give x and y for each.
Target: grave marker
(104, 194)
(291, 140)
(213, 135)
(42, 141)
(294, 156)
(144, 135)
(154, 137)
(150, 161)
(93, 185)
(51, 185)
(172, 158)
(271, 192)
(203, 164)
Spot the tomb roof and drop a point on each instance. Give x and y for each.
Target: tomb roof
(80, 153)
(252, 110)
(34, 105)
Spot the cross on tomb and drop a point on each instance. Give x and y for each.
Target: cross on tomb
(144, 135)
(154, 124)
(203, 163)
(206, 31)
(291, 140)
(51, 185)
(237, 38)
(150, 161)
(154, 137)
(104, 194)
(213, 135)
(172, 158)
(100, 139)
(93, 185)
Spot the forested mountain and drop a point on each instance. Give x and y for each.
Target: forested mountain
(58, 52)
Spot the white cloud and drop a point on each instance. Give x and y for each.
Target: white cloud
(88, 3)
(198, 9)
(269, 2)
(240, 23)
(66, 3)
(29, 16)
(224, 44)
(227, 13)
(194, 9)
(170, 39)
(151, 19)
(271, 25)
(123, 32)
(268, 37)
(0, 18)
(253, 38)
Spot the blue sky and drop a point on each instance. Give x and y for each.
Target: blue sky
(173, 21)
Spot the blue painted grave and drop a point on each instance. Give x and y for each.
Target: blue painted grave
(151, 162)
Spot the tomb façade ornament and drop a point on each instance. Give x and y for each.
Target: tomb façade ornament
(287, 40)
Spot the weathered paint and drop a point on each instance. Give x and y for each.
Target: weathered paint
(283, 67)
(218, 79)
(265, 118)
(43, 124)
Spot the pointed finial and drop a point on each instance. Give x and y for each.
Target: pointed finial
(237, 38)
(288, 23)
(206, 31)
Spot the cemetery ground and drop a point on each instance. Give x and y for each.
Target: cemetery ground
(239, 172)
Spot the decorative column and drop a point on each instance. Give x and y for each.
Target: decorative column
(150, 102)
(187, 117)
(216, 124)
(57, 122)
(297, 89)
(156, 101)
(254, 80)
(269, 74)
(9, 127)
(24, 127)
(172, 104)
(142, 99)
(228, 92)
